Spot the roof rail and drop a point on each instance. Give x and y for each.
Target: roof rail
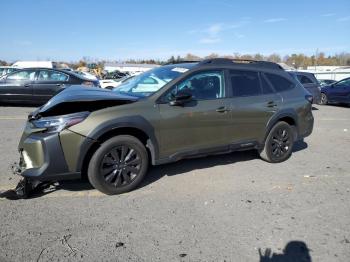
(182, 62)
(227, 61)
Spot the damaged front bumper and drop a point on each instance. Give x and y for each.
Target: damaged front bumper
(42, 158)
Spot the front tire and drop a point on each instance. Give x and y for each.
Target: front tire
(118, 165)
(324, 99)
(279, 143)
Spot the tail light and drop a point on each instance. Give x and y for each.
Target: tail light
(309, 98)
(88, 83)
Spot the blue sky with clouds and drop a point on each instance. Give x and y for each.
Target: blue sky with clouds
(117, 30)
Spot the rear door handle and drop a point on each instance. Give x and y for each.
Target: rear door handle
(27, 85)
(271, 104)
(222, 109)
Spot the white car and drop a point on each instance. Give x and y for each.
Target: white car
(86, 75)
(109, 83)
(112, 83)
(32, 64)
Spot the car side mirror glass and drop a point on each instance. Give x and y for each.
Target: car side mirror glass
(182, 97)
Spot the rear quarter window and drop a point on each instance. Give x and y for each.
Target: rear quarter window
(280, 83)
(304, 79)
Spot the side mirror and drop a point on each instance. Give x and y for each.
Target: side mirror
(182, 97)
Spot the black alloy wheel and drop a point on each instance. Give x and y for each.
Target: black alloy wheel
(279, 143)
(118, 165)
(121, 165)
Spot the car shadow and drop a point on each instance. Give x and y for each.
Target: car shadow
(188, 165)
(294, 251)
(157, 172)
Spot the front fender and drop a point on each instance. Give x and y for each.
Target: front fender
(137, 122)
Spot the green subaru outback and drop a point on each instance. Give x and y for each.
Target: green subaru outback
(166, 114)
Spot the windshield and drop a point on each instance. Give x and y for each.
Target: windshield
(151, 81)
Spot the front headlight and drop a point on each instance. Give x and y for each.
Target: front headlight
(55, 124)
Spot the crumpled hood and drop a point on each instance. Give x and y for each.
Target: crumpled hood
(78, 99)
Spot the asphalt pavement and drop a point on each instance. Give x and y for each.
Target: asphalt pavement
(218, 208)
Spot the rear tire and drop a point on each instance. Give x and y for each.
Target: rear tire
(324, 99)
(279, 143)
(118, 165)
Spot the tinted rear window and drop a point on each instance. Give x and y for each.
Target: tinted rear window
(266, 87)
(304, 79)
(279, 83)
(245, 83)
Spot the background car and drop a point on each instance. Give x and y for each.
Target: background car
(116, 75)
(87, 75)
(4, 70)
(114, 83)
(338, 92)
(38, 85)
(109, 83)
(326, 82)
(310, 83)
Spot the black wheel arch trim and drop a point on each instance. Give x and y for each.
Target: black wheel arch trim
(290, 113)
(136, 122)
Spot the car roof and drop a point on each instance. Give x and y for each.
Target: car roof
(71, 73)
(245, 63)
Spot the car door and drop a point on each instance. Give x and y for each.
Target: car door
(340, 91)
(18, 86)
(48, 83)
(253, 102)
(202, 123)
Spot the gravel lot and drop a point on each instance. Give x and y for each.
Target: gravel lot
(220, 208)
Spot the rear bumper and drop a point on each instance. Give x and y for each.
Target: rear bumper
(306, 126)
(316, 94)
(42, 159)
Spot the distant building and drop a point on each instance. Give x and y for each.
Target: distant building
(132, 68)
(329, 72)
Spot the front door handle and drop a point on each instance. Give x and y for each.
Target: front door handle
(27, 85)
(271, 104)
(222, 109)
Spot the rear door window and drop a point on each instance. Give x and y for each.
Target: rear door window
(245, 83)
(266, 87)
(279, 83)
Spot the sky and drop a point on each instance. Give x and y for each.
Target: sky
(142, 29)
